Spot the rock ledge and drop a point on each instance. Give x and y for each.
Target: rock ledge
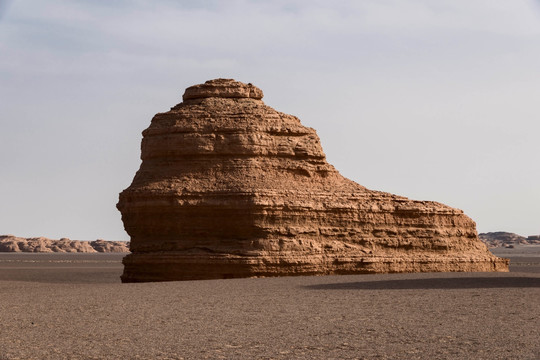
(223, 88)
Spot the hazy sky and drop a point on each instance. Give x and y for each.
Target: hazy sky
(433, 100)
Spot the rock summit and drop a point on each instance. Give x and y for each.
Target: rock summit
(229, 187)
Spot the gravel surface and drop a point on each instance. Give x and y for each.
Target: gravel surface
(72, 306)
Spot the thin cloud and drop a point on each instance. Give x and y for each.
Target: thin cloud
(4, 6)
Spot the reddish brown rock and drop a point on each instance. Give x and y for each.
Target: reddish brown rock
(11, 243)
(107, 246)
(229, 187)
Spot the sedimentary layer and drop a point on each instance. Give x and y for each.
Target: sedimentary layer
(229, 187)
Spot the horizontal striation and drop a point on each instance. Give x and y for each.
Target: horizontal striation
(229, 187)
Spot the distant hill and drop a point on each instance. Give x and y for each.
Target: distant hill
(507, 239)
(11, 243)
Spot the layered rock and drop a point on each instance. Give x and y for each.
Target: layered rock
(229, 187)
(11, 243)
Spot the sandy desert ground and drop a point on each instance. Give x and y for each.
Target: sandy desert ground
(73, 306)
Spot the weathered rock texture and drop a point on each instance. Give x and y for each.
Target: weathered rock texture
(229, 187)
(11, 243)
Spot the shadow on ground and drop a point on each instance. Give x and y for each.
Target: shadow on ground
(435, 283)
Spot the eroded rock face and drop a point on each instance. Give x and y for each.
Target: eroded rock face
(229, 187)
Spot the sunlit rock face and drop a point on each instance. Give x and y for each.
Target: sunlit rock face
(229, 187)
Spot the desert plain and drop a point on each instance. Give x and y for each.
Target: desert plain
(73, 306)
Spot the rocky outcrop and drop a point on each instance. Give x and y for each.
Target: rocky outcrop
(10, 243)
(229, 187)
(108, 246)
(507, 239)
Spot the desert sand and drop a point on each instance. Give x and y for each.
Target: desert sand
(73, 306)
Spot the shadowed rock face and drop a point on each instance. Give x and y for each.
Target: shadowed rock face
(229, 187)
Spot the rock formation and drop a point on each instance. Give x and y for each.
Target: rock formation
(11, 243)
(507, 239)
(229, 187)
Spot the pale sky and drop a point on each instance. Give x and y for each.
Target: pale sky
(433, 100)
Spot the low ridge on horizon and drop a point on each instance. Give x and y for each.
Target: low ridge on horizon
(12, 243)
